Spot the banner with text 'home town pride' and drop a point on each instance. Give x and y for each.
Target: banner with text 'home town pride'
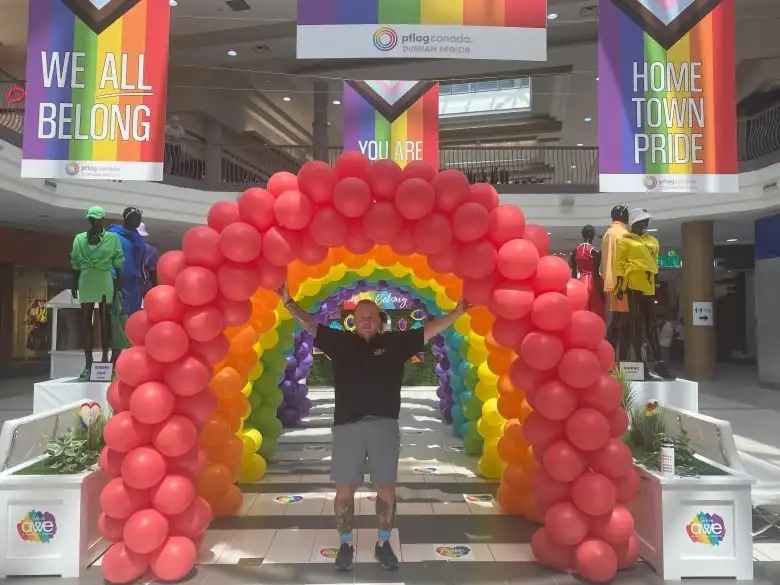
(96, 89)
(396, 120)
(514, 30)
(667, 96)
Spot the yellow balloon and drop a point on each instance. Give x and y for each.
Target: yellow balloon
(476, 356)
(338, 272)
(490, 448)
(255, 437)
(269, 339)
(367, 269)
(485, 391)
(282, 314)
(491, 468)
(309, 288)
(398, 270)
(255, 373)
(463, 324)
(421, 283)
(476, 341)
(444, 302)
(241, 425)
(247, 390)
(253, 469)
(490, 413)
(488, 431)
(486, 374)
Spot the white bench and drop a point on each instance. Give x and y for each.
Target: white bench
(713, 438)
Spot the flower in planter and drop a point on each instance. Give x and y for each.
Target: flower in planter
(651, 408)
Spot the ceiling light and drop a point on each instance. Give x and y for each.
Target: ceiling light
(597, 79)
(580, 144)
(552, 16)
(588, 119)
(336, 102)
(730, 240)
(232, 53)
(573, 167)
(173, 3)
(549, 233)
(286, 99)
(652, 230)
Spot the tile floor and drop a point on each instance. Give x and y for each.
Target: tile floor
(447, 530)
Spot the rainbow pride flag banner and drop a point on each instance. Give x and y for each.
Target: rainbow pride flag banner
(96, 89)
(513, 30)
(397, 120)
(667, 101)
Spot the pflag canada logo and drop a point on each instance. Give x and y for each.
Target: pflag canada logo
(391, 98)
(667, 21)
(98, 15)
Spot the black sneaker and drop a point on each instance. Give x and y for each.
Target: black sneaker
(386, 557)
(345, 557)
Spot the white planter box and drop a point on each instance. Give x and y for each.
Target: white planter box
(50, 523)
(53, 394)
(679, 393)
(695, 526)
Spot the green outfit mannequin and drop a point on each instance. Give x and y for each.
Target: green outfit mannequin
(95, 254)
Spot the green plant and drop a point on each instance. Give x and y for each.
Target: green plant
(78, 450)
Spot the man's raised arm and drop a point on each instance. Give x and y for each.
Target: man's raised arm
(437, 326)
(303, 318)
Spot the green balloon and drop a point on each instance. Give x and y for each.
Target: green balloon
(274, 363)
(273, 398)
(256, 399)
(472, 408)
(268, 448)
(471, 445)
(272, 428)
(471, 379)
(264, 383)
(264, 416)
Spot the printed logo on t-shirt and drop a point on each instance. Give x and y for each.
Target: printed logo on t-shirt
(379, 351)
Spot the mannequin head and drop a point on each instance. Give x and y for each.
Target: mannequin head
(620, 213)
(132, 217)
(639, 220)
(588, 233)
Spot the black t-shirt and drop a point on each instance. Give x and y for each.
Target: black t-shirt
(368, 374)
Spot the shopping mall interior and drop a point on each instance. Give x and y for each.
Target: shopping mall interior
(243, 107)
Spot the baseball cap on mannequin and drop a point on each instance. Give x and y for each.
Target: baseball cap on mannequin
(637, 215)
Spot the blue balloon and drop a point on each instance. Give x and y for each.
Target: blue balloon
(456, 383)
(464, 397)
(457, 412)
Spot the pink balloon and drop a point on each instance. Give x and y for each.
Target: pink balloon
(507, 222)
(479, 291)
(281, 246)
(444, 262)
(485, 194)
(311, 252)
(551, 311)
(143, 467)
(404, 244)
(470, 222)
(352, 164)
(540, 431)
(120, 501)
(196, 286)
(627, 487)
(476, 259)
(414, 198)
(526, 378)
(170, 265)
(137, 326)
(240, 242)
(452, 188)
(193, 521)
(512, 300)
(238, 282)
(187, 376)
(281, 182)
(615, 527)
(271, 277)
(433, 234)
(539, 237)
(420, 169)
(121, 565)
(145, 531)
(328, 227)
(256, 207)
(594, 494)
(627, 553)
(579, 368)
(542, 351)
(578, 294)
(110, 528)
(552, 275)
(586, 330)
(197, 408)
(587, 429)
(550, 553)
(222, 214)
(191, 464)
(382, 222)
(123, 432)
(555, 400)
(203, 323)
(352, 197)
(234, 313)
(135, 366)
(173, 495)
(383, 178)
(200, 245)
(293, 210)
(176, 436)
(510, 332)
(357, 241)
(317, 179)
(167, 342)
(565, 524)
(618, 422)
(118, 395)
(174, 560)
(606, 395)
(596, 561)
(547, 490)
(111, 462)
(613, 459)
(212, 352)
(563, 462)
(517, 260)
(606, 354)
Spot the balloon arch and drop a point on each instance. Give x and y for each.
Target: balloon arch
(527, 368)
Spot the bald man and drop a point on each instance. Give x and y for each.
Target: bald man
(368, 367)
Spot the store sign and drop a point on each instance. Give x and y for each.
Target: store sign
(667, 101)
(37, 526)
(707, 529)
(670, 260)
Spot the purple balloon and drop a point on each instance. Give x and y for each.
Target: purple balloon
(307, 361)
(299, 374)
(441, 392)
(291, 361)
(447, 416)
(445, 362)
(290, 417)
(288, 386)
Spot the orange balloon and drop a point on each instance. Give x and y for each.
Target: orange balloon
(423, 271)
(516, 477)
(265, 298)
(493, 345)
(385, 256)
(510, 452)
(500, 362)
(337, 255)
(226, 381)
(446, 279)
(227, 453)
(319, 270)
(510, 501)
(244, 339)
(263, 321)
(215, 431)
(229, 503)
(412, 261)
(532, 510)
(505, 385)
(481, 321)
(454, 291)
(214, 482)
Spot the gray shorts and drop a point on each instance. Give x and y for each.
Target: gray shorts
(371, 444)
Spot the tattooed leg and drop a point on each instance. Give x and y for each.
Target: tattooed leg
(344, 508)
(385, 510)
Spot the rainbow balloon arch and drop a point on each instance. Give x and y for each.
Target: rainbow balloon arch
(524, 374)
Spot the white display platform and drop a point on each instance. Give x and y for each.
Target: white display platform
(69, 364)
(679, 393)
(705, 525)
(56, 393)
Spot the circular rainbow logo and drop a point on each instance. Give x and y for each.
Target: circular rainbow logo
(385, 39)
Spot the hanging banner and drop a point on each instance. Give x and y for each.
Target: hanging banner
(96, 87)
(424, 29)
(397, 120)
(667, 102)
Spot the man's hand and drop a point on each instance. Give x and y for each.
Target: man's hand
(619, 294)
(463, 306)
(284, 294)
(74, 292)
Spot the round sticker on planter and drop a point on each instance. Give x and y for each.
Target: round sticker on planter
(37, 527)
(453, 552)
(426, 470)
(478, 498)
(329, 553)
(287, 499)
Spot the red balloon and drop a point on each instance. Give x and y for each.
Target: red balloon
(281, 246)
(539, 431)
(173, 495)
(578, 294)
(383, 178)
(143, 467)
(198, 407)
(551, 311)
(606, 395)
(523, 376)
(615, 527)
(192, 463)
(565, 524)
(414, 198)
(352, 197)
(152, 403)
(256, 207)
(176, 436)
(193, 521)
(596, 561)
(240, 242)
(476, 260)
(120, 501)
(203, 323)
(271, 277)
(145, 531)
(352, 164)
(135, 366)
(579, 368)
(445, 261)
(564, 462)
(137, 326)
(627, 553)
(200, 245)
(517, 260)
(485, 194)
(618, 422)
(594, 494)
(174, 560)
(547, 490)
(587, 429)
(552, 274)
(170, 265)
(222, 214)
(162, 304)
(511, 332)
(606, 354)
(555, 400)
(186, 376)
(110, 528)
(613, 459)
(111, 462)
(542, 351)
(166, 342)
(281, 182)
(539, 237)
(627, 487)
(550, 553)
(121, 565)
(317, 179)
(118, 395)
(420, 169)
(238, 282)
(403, 244)
(382, 222)
(328, 228)
(196, 286)
(293, 210)
(357, 240)
(586, 330)
(124, 433)
(470, 222)
(234, 313)
(507, 222)
(479, 291)
(311, 252)
(212, 352)
(452, 188)
(512, 300)
(433, 234)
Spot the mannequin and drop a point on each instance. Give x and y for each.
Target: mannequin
(584, 262)
(616, 308)
(636, 266)
(133, 249)
(149, 262)
(95, 254)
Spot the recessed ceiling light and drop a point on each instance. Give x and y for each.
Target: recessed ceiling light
(597, 79)
(580, 144)
(232, 53)
(732, 240)
(549, 233)
(552, 16)
(573, 167)
(336, 102)
(588, 119)
(652, 230)
(286, 99)
(173, 3)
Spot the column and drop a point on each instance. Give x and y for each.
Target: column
(320, 122)
(213, 151)
(697, 288)
(6, 314)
